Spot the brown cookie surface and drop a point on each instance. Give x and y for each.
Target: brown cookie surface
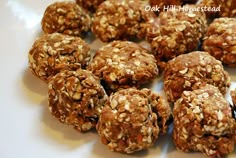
(66, 17)
(122, 64)
(52, 53)
(76, 98)
(203, 122)
(129, 120)
(186, 70)
(220, 40)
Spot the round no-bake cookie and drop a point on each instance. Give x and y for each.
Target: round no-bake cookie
(220, 40)
(66, 17)
(175, 32)
(120, 20)
(132, 119)
(122, 64)
(52, 53)
(76, 98)
(184, 71)
(203, 122)
(90, 5)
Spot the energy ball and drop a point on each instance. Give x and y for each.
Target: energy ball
(66, 17)
(76, 98)
(132, 120)
(123, 64)
(220, 40)
(176, 32)
(90, 5)
(52, 53)
(120, 20)
(186, 70)
(203, 122)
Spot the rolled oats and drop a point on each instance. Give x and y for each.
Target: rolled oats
(184, 71)
(52, 53)
(120, 20)
(210, 127)
(122, 64)
(76, 98)
(66, 17)
(220, 40)
(227, 8)
(175, 32)
(132, 120)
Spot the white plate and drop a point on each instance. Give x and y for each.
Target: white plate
(27, 130)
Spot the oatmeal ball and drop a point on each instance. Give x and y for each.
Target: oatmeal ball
(176, 32)
(90, 5)
(52, 53)
(197, 67)
(220, 40)
(132, 119)
(122, 64)
(76, 98)
(203, 122)
(227, 8)
(66, 17)
(120, 19)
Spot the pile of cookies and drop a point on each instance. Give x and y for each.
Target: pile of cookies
(105, 90)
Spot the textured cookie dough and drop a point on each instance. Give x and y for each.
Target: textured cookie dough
(90, 5)
(52, 53)
(220, 40)
(203, 122)
(175, 32)
(132, 120)
(120, 20)
(122, 64)
(76, 98)
(66, 17)
(186, 70)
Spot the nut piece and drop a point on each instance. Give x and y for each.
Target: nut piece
(203, 122)
(52, 53)
(132, 119)
(220, 40)
(76, 98)
(122, 64)
(175, 32)
(187, 70)
(66, 17)
(90, 5)
(120, 20)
